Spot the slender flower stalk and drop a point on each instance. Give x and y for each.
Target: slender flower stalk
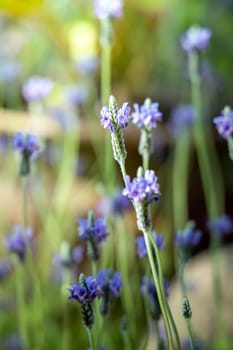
(194, 41)
(187, 313)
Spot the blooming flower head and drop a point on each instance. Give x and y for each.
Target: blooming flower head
(224, 123)
(105, 8)
(87, 291)
(181, 118)
(196, 39)
(188, 238)
(141, 188)
(26, 144)
(98, 230)
(120, 121)
(221, 226)
(17, 242)
(141, 244)
(147, 115)
(109, 280)
(37, 88)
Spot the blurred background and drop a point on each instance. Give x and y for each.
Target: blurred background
(59, 40)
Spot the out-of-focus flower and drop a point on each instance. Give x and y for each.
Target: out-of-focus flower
(87, 65)
(85, 292)
(188, 238)
(141, 244)
(141, 188)
(98, 230)
(198, 344)
(76, 94)
(221, 226)
(224, 123)
(26, 144)
(9, 71)
(17, 242)
(37, 88)
(147, 115)
(116, 204)
(68, 258)
(120, 121)
(105, 8)
(5, 269)
(11, 342)
(181, 119)
(149, 291)
(196, 39)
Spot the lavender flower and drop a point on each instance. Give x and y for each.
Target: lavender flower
(147, 115)
(221, 226)
(188, 238)
(17, 242)
(9, 71)
(67, 258)
(119, 204)
(105, 8)
(196, 39)
(181, 118)
(26, 144)
(36, 88)
(224, 123)
(119, 122)
(94, 232)
(77, 94)
(85, 293)
(141, 188)
(110, 285)
(141, 245)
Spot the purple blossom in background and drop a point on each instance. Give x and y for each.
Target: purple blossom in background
(147, 115)
(122, 118)
(120, 204)
(37, 88)
(196, 39)
(5, 269)
(109, 280)
(26, 144)
(76, 94)
(181, 118)
(17, 242)
(98, 230)
(87, 65)
(11, 342)
(221, 226)
(198, 344)
(224, 123)
(105, 8)
(87, 292)
(188, 238)
(9, 71)
(69, 259)
(4, 138)
(141, 188)
(141, 245)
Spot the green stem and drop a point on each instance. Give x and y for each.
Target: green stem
(21, 312)
(190, 333)
(211, 179)
(24, 201)
(65, 313)
(181, 171)
(160, 274)
(91, 339)
(158, 287)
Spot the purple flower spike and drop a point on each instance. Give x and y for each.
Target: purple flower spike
(78, 292)
(5, 269)
(115, 284)
(145, 187)
(224, 123)
(109, 281)
(93, 287)
(196, 39)
(17, 242)
(98, 230)
(181, 119)
(141, 245)
(122, 118)
(27, 144)
(105, 8)
(37, 88)
(188, 238)
(147, 115)
(221, 226)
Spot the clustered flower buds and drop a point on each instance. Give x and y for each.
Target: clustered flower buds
(196, 39)
(108, 9)
(17, 242)
(186, 308)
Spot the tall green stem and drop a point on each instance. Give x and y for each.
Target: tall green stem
(160, 274)
(190, 333)
(91, 339)
(158, 289)
(180, 179)
(211, 177)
